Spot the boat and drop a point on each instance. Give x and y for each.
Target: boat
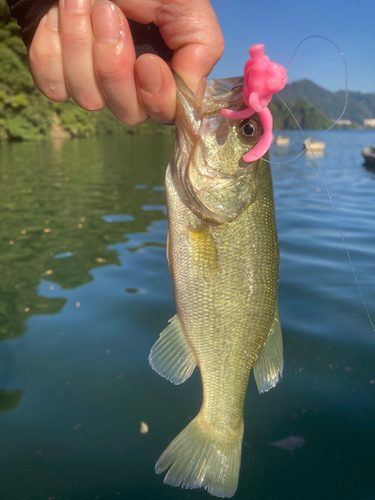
(310, 145)
(282, 141)
(369, 155)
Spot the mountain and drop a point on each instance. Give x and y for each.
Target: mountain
(307, 116)
(360, 106)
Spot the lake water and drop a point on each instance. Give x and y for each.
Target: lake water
(85, 291)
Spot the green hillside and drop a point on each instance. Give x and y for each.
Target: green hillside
(25, 114)
(307, 115)
(360, 106)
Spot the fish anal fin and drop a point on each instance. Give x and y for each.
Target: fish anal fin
(269, 366)
(171, 356)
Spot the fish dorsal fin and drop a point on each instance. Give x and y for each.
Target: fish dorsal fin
(269, 366)
(171, 356)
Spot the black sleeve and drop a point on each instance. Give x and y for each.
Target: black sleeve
(28, 13)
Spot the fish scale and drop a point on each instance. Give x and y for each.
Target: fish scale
(223, 258)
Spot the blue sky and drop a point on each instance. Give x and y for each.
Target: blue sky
(281, 25)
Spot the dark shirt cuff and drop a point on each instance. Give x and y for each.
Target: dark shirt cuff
(28, 13)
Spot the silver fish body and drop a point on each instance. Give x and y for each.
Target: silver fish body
(223, 257)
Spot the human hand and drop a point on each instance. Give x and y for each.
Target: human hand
(84, 49)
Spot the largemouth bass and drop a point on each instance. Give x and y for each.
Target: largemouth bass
(224, 258)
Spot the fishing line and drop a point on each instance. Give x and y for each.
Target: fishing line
(308, 146)
(319, 167)
(345, 104)
(336, 216)
(346, 96)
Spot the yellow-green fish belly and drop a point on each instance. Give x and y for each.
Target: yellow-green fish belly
(225, 285)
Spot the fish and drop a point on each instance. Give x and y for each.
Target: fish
(223, 256)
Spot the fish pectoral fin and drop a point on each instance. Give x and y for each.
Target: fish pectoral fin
(203, 249)
(171, 356)
(269, 366)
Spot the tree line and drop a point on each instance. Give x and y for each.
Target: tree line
(25, 114)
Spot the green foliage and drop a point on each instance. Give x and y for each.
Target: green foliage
(13, 72)
(27, 115)
(19, 101)
(309, 117)
(5, 17)
(55, 198)
(3, 132)
(9, 400)
(18, 48)
(24, 113)
(107, 124)
(24, 117)
(360, 106)
(19, 129)
(76, 121)
(306, 114)
(150, 127)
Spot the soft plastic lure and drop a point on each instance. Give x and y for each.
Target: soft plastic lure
(263, 78)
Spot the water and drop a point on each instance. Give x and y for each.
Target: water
(85, 292)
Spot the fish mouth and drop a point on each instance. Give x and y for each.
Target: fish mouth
(207, 168)
(212, 196)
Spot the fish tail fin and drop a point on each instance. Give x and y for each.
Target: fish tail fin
(203, 457)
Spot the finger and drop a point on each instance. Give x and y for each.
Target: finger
(156, 88)
(114, 58)
(46, 60)
(189, 28)
(195, 61)
(197, 42)
(76, 44)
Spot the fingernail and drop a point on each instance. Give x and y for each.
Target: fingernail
(77, 6)
(52, 21)
(106, 22)
(150, 75)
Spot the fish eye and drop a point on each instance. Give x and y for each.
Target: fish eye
(250, 130)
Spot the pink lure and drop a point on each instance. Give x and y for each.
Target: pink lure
(263, 78)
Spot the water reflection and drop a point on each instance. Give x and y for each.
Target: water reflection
(9, 400)
(370, 167)
(314, 154)
(87, 278)
(62, 205)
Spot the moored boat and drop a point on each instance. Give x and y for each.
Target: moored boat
(310, 145)
(369, 155)
(282, 141)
